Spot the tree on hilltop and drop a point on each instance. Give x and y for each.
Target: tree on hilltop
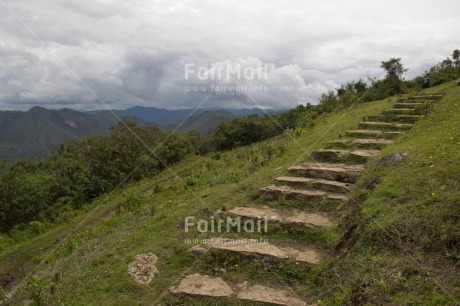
(394, 72)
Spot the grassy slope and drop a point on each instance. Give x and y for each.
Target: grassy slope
(91, 266)
(408, 250)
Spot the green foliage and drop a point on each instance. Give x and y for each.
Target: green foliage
(243, 131)
(456, 57)
(394, 69)
(83, 169)
(443, 72)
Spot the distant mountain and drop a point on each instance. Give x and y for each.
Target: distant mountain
(203, 123)
(153, 115)
(37, 132)
(161, 116)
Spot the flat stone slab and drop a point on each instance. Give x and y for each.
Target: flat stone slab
(408, 104)
(365, 153)
(371, 142)
(329, 154)
(386, 125)
(284, 217)
(143, 268)
(339, 155)
(365, 143)
(255, 247)
(311, 195)
(216, 287)
(316, 183)
(427, 96)
(337, 172)
(263, 294)
(400, 111)
(203, 285)
(374, 133)
(395, 118)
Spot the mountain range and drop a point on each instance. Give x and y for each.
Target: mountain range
(34, 134)
(160, 116)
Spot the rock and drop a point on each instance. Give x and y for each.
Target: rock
(263, 294)
(204, 285)
(216, 287)
(308, 195)
(337, 172)
(284, 217)
(198, 251)
(143, 268)
(256, 248)
(321, 184)
(393, 158)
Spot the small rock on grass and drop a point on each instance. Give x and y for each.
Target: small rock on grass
(393, 158)
(143, 268)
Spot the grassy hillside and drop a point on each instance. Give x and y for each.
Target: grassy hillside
(408, 219)
(397, 243)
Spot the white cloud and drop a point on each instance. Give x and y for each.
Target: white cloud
(134, 52)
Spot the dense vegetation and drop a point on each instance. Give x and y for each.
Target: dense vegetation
(83, 169)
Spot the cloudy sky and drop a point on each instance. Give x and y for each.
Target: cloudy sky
(93, 54)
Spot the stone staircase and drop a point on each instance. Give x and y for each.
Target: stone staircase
(330, 177)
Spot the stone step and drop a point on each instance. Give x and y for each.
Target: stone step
(364, 133)
(409, 104)
(427, 96)
(375, 144)
(400, 111)
(284, 217)
(262, 248)
(395, 118)
(216, 287)
(366, 143)
(404, 100)
(308, 195)
(330, 155)
(334, 172)
(372, 125)
(315, 183)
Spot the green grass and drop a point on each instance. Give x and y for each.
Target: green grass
(401, 227)
(408, 248)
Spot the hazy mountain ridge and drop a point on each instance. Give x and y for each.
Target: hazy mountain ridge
(161, 116)
(34, 134)
(203, 123)
(37, 132)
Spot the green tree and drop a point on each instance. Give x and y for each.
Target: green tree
(446, 63)
(394, 73)
(456, 57)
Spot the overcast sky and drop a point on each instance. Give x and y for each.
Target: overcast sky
(93, 54)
